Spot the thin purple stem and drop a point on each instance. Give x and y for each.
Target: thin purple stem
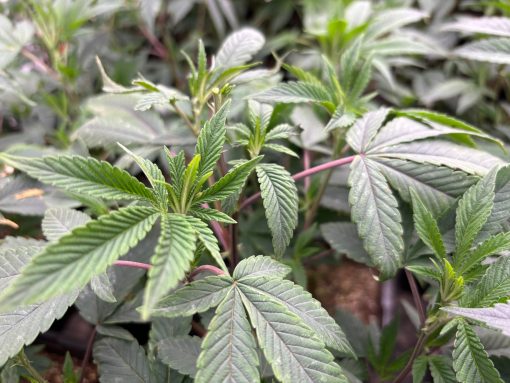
(204, 268)
(307, 160)
(304, 174)
(138, 265)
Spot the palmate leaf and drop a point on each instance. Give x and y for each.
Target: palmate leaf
(58, 222)
(259, 267)
(71, 262)
(280, 199)
(229, 351)
(211, 140)
(197, 297)
(22, 325)
(121, 360)
(301, 303)
(229, 184)
(365, 129)
(493, 287)
(497, 317)
(375, 210)
(494, 50)
(81, 175)
(171, 260)
(470, 361)
(426, 227)
(287, 343)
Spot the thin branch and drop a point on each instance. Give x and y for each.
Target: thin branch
(22, 358)
(416, 296)
(138, 265)
(206, 268)
(307, 160)
(87, 355)
(304, 174)
(416, 352)
(159, 49)
(40, 64)
(233, 244)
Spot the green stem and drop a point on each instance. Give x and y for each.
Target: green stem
(22, 357)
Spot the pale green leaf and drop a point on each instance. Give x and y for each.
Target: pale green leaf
(87, 251)
(103, 287)
(419, 369)
(180, 353)
(22, 325)
(426, 227)
(259, 266)
(60, 221)
(293, 350)
(197, 297)
(470, 361)
(301, 303)
(497, 317)
(361, 134)
(239, 48)
(494, 50)
(492, 245)
(441, 369)
(343, 237)
(493, 287)
(375, 211)
(295, 92)
(491, 25)
(81, 175)
(171, 260)
(280, 199)
(121, 360)
(229, 350)
(208, 214)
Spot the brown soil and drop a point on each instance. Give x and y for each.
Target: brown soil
(54, 374)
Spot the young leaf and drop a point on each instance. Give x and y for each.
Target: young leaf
(259, 266)
(177, 168)
(171, 260)
(426, 227)
(301, 303)
(197, 297)
(239, 48)
(472, 213)
(207, 214)
(492, 245)
(229, 184)
(295, 93)
(207, 238)
(23, 324)
(441, 369)
(493, 287)
(211, 140)
(180, 353)
(280, 199)
(229, 351)
(58, 222)
(470, 361)
(81, 175)
(120, 358)
(419, 369)
(289, 345)
(71, 262)
(375, 211)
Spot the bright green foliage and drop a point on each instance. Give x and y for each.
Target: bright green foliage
(470, 361)
(426, 227)
(71, 262)
(290, 325)
(494, 286)
(280, 198)
(171, 260)
(492, 245)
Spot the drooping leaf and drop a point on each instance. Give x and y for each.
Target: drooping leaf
(497, 317)
(289, 345)
(470, 361)
(211, 140)
(229, 350)
(75, 258)
(229, 184)
(120, 359)
(375, 211)
(171, 260)
(343, 237)
(23, 324)
(197, 297)
(180, 353)
(103, 288)
(239, 48)
(280, 199)
(300, 302)
(60, 221)
(426, 227)
(259, 267)
(81, 175)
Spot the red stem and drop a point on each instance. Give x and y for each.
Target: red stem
(204, 268)
(307, 160)
(138, 265)
(304, 174)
